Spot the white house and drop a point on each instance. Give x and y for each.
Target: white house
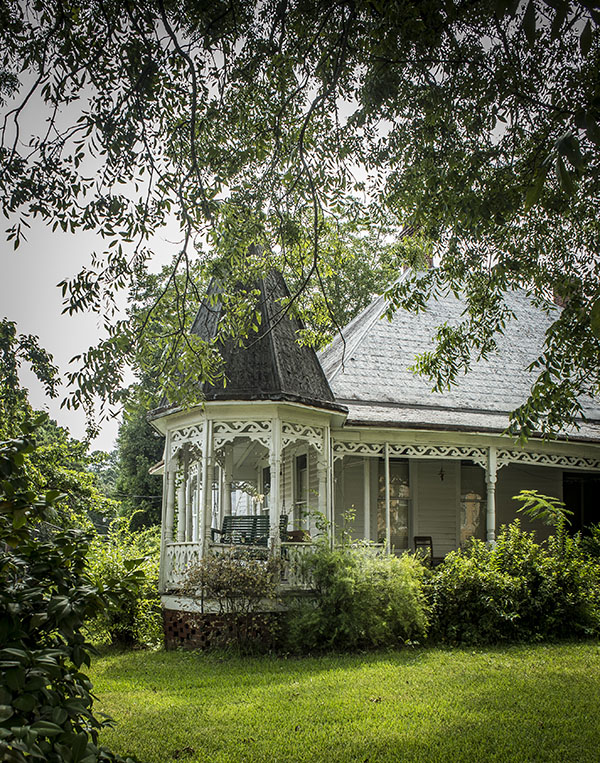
(353, 429)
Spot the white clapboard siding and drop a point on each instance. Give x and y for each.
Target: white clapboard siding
(435, 502)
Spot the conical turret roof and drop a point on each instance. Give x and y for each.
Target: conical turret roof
(269, 364)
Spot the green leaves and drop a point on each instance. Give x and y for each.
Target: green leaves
(565, 177)
(595, 318)
(45, 596)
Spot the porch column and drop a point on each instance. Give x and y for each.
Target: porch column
(181, 495)
(207, 478)
(388, 528)
(491, 495)
(275, 466)
(198, 503)
(189, 493)
(331, 495)
(227, 480)
(367, 496)
(322, 477)
(170, 512)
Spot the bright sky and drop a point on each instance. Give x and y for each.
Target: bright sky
(30, 297)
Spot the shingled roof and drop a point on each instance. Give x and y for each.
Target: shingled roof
(270, 364)
(371, 373)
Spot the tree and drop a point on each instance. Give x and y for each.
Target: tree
(45, 595)
(16, 349)
(475, 125)
(139, 448)
(59, 461)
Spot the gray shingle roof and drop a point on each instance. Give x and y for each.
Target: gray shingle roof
(372, 376)
(270, 365)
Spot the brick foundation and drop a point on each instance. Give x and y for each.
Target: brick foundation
(195, 630)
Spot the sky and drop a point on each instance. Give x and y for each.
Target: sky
(29, 295)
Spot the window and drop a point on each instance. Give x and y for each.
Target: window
(301, 491)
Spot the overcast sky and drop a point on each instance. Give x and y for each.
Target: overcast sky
(30, 297)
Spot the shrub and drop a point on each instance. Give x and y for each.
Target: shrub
(45, 595)
(361, 600)
(239, 581)
(515, 590)
(136, 616)
(591, 542)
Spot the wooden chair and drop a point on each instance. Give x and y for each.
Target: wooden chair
(424, 547)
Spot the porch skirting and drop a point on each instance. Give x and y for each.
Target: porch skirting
(210, 630)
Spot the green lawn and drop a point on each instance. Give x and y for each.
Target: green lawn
(521, 703)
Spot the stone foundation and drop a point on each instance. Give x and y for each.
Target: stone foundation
(209, 630)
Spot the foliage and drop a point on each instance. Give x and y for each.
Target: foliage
(45, 595)
(238, 580)
(59, 462)
(550, 510)
(136, 617)
(15, 349)
(473, 125)
(362, 600)
(515, 589)
(62, 463)
(105, 466)
(515, 703)
(139, 448)
(591, 542)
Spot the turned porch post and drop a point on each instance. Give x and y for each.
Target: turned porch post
(198, 503)
(367, 496)
(181, 495)
(274, 505)
(388, 528)
(189, 494)
(491, 475)
(170, 476)
(207, 480)
(322, 477)
(227, 480)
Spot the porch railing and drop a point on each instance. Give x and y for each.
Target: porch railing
(180, 556)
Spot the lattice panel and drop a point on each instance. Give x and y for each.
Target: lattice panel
(227, 431)
(185, 435)
(341, 449)
(291, 433)
(478, 455)
(505, 457)
(179, 557)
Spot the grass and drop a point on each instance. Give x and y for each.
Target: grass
(518, 703)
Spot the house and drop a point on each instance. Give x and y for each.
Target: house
(352, 434)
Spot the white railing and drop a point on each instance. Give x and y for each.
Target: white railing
(179, 557)
(292, 575)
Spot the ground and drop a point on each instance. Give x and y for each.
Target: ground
(518, 703)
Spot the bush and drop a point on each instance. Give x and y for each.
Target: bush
(239, 582)
(515, 590)
(136, 617)
(591, 542)
(45, 595)
(361, 600)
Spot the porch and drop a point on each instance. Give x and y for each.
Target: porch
(385, 492)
